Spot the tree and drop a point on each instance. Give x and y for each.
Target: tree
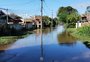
(46, 21)
(68, 15)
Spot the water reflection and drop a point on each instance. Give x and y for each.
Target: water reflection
(87, 44)
(65, 38)
(38, 32)
(45, 31)
(4, 47)
(55, 48)
(1, 51)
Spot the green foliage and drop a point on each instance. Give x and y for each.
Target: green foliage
(7, 40)
(68, 15)
(46, 20)
(84, 31)
(73, 17)
(71, 30)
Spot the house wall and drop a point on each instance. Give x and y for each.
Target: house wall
(2, 21)
(85, 24)
(16, 26)
(37, 21)
(88, 17)
(38, 24)
(78, 25)
(29, 25)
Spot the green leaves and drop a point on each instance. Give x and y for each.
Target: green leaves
(46, 20)
(84, 31)
(68, 15)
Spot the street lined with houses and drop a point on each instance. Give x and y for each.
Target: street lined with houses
(44, 31)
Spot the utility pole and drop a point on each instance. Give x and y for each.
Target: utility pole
(41, 58)
(52, 18)
(7, 15)
(52, 14)
(41, 12)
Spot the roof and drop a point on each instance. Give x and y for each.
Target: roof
(10, 19)
(28, 20)
(17, 20)
(1, 13)
(38, 18)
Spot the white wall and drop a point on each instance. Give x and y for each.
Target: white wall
(78, 25)
(29, 25)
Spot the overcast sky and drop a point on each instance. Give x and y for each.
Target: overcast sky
(32, 7)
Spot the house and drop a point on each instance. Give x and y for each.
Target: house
(7, 20)
(15, 24)
(85, 18)
(37, 21)
(3, 19)
(28, 23)
(88, 13)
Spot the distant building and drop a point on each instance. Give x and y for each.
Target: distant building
(3, 19)
(16, 24)
(28, 23)
(85, 18)
(37, 21)
(87, 14)
(10, 21)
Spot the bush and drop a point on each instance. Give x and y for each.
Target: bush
(71, 25)
(84, 31)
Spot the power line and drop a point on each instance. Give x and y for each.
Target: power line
(19, 4)
(49, 9)
(47, 6)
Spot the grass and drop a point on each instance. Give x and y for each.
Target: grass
(4, 40)
(82, 33)
(71, 30)
(7, 39)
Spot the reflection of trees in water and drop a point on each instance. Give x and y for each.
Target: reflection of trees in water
(66, 39)
(87, 44)
(1, 51)
(45, 31)
(5, 47)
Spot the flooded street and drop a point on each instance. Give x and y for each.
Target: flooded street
(58, 46)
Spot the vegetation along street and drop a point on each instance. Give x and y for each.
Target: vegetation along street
(44, 30)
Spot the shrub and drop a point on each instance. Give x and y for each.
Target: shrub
(85, 31)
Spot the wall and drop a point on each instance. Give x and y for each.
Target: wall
(16, 26)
